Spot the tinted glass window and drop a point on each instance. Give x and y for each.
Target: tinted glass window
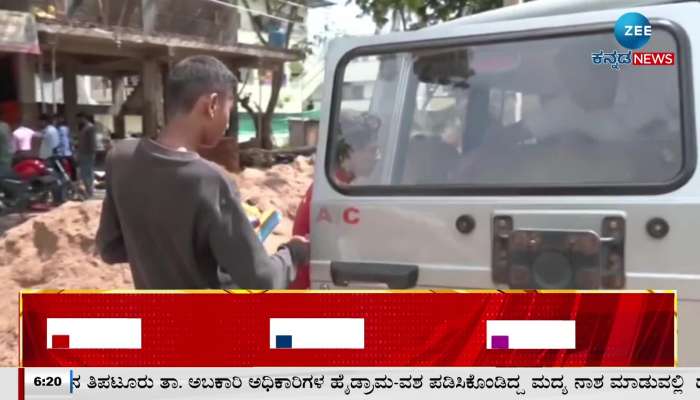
(536, 112)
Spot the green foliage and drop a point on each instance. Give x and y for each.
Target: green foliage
(296, 68)
(427, 12)
(304, 46)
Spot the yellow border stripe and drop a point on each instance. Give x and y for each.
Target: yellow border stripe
(324, 291)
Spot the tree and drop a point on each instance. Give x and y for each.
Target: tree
(263, 26)
(426, 12)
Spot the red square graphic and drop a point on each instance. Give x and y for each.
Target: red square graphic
(60, 341)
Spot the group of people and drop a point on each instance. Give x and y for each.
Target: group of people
(50, 138)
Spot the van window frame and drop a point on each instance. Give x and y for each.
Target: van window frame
(687, 118)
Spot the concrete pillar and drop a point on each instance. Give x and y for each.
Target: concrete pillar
(152, 83)
(148, 15)
(165, 72)
(26, 87)
(70, 95)
(118, 99)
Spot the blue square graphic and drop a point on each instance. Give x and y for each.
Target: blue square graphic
(283, 341)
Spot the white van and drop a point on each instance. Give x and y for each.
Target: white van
(502, 155)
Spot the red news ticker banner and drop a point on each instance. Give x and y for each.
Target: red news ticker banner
(417, 328)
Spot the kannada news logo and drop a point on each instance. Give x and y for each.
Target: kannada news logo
(633, 31)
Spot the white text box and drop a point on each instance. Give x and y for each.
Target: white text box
(533, 334)
(319, 333)
(96, 333)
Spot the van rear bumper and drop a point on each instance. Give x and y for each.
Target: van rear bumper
(476, 277)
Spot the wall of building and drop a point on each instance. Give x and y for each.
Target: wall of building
(246, 32)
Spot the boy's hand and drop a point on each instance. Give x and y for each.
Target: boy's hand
(300, 250)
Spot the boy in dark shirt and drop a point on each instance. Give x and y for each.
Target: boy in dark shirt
(175, 217)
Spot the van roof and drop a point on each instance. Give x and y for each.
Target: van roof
(545, 8)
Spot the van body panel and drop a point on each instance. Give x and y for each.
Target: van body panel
(420, 229)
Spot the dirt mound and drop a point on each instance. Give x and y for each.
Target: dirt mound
(50, 251)
(56, 250)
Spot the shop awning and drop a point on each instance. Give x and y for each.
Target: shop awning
(18, 32)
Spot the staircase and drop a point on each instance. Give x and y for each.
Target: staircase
(312, 78)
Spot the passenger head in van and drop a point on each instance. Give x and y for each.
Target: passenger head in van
(429, 160)
(589, 86)
(580, 104)
(357, 151)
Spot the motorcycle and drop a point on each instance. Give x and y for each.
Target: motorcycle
(36, 183)
(67, 172)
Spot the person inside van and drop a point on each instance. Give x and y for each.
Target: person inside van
(599, 114)
(584, 103)
(565, 126)
(429, 160)
(356, 152)
(356, 157)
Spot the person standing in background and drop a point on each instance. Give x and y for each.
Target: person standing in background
(87, 147)
(22, 140)
(6, 150)
(65, 148)
(50, 138)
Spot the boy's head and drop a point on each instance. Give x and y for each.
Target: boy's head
(200, 89)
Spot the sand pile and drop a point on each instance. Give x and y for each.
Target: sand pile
(52, 250)
(56, 250)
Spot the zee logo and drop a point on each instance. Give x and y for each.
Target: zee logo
(632, 30)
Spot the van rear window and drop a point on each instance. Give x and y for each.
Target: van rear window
(527, 113)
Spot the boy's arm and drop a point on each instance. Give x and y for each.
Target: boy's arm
(110, 241)
(238, 250)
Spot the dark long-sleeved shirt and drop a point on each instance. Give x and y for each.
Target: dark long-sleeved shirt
(175, 218)
(87, 140)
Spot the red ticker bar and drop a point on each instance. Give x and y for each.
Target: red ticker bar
(422, 328)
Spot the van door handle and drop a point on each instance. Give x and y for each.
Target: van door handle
(395, 276)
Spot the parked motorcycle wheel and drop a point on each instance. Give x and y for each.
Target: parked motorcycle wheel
(13, 205)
